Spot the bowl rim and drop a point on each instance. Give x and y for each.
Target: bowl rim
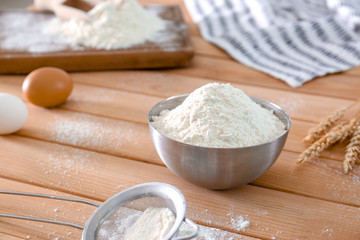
(287, 128)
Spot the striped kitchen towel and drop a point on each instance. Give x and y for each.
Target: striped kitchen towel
(293, 40)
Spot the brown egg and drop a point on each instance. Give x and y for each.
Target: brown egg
(47, 86)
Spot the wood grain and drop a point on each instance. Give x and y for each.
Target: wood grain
(298, 105)
(98, 176)
(98, 143)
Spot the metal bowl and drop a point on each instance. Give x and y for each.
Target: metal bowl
(217, 168)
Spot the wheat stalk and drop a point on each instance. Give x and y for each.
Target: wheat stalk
(335, 135)
(338, 134)
(316, 132)
(352, 151)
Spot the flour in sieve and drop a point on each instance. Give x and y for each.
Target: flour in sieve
(119, 223)
(113, 24)
(153, 224)
(219, 115)
(129, 224)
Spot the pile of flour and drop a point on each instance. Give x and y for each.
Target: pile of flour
(113, 24)
(219, 115)
(153, 224)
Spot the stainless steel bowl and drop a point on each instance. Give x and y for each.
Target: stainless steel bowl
(217, 168)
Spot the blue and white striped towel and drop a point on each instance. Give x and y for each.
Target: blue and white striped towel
(293, 40)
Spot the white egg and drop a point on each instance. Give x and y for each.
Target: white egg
(13, 113)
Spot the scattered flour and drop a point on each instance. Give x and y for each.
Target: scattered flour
(113, 24)
(208, 233)
(93, 132)
(261, 212)
(219, 115)
(240, 223)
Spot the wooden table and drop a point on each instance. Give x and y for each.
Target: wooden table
(98, 144)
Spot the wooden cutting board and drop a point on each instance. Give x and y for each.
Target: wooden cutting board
(24, 47)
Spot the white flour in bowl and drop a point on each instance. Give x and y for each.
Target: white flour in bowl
(219, 115)
(113, 24)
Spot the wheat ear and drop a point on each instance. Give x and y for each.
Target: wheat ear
(324, 125)
(323, 143)
(352, 151)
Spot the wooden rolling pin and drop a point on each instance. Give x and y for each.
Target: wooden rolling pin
(65, 9)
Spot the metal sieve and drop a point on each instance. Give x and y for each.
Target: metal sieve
(136, 198)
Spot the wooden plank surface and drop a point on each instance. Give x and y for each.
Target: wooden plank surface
(98, 143)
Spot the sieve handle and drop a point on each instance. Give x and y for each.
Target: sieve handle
(51, 196)
(46, 196)
(41, 220)
(190, 235)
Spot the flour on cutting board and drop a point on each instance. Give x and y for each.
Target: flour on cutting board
(113, 24)
(23, 31)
